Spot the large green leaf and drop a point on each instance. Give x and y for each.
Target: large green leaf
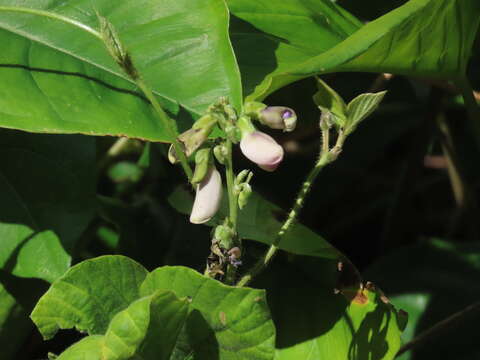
(181, 48)
(431, 281)
(89, 295)
(227, 322)
(140, 317)
(284, 34)
(48, 198)
(260, 220)
(313, 322)
(423, 37)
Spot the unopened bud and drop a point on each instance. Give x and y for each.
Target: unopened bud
(326, 120)
(244, 195)
(224, 234)
(202, 164)
(243, 176)
(221, 152)
(275, 117)
(278, 117)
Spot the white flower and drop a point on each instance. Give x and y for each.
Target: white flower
(207, 198)
(262, 149)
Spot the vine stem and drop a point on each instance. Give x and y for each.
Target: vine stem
(232, 205)
(53, 16)
(326, 156)
(167, 123)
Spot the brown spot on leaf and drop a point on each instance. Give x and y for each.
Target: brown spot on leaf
(223, 318)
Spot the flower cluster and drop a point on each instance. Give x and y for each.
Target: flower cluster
(256, 145)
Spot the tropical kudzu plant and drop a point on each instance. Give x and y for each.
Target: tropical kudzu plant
(144, 69)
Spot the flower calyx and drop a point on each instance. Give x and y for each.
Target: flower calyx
(193, 138)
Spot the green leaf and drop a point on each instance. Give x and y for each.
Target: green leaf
(89, 295)
(147, 329)
(181, 48)
(48, 198)
(269, 37)
(89, 348)
(422, 38)
(361, 107)
(439, 279)
(313, 322)
(328, 100)
(226, 323)
(259, 220)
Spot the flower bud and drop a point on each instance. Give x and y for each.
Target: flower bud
(278, 117)
(207, 198)
(262, 149)
(221, 153)
(224, 234)
(203, 161)
(244, 195)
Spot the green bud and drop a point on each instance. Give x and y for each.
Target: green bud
(326, 120)
(224, 234)
(202, 164)
(243, 176)
(221, 152)
(244, 195)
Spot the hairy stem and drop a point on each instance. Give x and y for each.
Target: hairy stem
(167, 124)
(326, 156)
(232, 205)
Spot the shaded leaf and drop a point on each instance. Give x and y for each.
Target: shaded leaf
(14, 324)
(428, 287)
(48, 198)
(259, 221)
(313, 322)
